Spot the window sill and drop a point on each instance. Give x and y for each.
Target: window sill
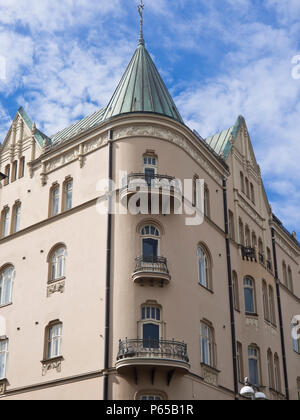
(52, 360)
(206, 288)
(5, 305)
(56, 280)
(252, 315)
(211, 368)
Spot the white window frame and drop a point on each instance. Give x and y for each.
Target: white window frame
(58, 264)
(3, 358)
(54, 341)
(207, 341)
(7, 276)
(204, 275)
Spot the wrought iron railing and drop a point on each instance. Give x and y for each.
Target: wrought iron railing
(153, 349)
(151, 264)
(151, 180)
(248, 253)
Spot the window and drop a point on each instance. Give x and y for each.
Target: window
(261, 251)
(150, 242)
(249, 292)
(208, 354)
(269, 259)
(21, 167)
(272, 306)
(277, 374)
(241, 232)
(235, 286)
(5, 222)
(53, 340)
(204, 277)
(150, 167)
(265, 300)
(240, 363)
(152, 397)
(270, 369)
(57, 263)
(248, 236)
(195, 197)
(16, 217)
(242, 182)
(7, 173)
(252, 193)
(151, 326)
(68, 195)
(7, 276)
(3, 358)
(254, 240)
(254, 365)
(290, 279)
(285, 277)
(14, 171)
(298, 388)
(206, 202)
(231, 225)
(247, 187)
(54, 200)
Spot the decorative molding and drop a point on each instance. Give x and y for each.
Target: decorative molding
(57, 287)
(3, 386)
(250, 211)
(172, 136)
(252, 322)
(52, 364)
(210, 375)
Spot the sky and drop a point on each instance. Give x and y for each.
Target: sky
(62, 60)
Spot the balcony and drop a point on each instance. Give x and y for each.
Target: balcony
(169, 355)
(150, 270)
(248, 253)
(163, 192)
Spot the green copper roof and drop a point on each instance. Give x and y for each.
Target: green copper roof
(38, 135)
(222, 142)
(142, 89)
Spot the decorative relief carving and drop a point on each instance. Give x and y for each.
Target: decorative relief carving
(252, 322)
(53, 364)
(57, 287)
(3, 385)
(209, 375)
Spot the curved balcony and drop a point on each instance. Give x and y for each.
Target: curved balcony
(164, 193)
(150, 270)
(154, 354)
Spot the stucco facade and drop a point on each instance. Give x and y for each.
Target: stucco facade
(190, 367)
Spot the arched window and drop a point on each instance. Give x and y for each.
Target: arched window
(7, 276)
(254, 365)
(235, 285)
(204, 269)
(57, 262)
(208, 346)
(206, 201)
(5, 222)
(150, 242)
(54, 200)
(272, 306)
(53, 341)
(284, 271)
(249, 293)
(290, 279)
(248, 236)
(270, 369)
(16, 217)
(265, 301)
(151, 325)
(277, 374)
(68, 194)
(242, 180)
(3, 357)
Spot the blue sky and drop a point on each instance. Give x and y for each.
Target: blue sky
(219, 58)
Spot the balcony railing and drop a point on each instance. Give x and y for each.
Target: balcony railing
(153, 349)
(248, 253)
(154, 180)
(151, 268)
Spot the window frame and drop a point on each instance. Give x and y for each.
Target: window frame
(207, 341)
(207, 268)
(154, 237)
(4, 354)
(253, 288)
(51, 341)
(54, 254)
(254, 347)
(3, 281)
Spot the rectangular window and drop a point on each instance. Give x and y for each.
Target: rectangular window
(3, 358)
(207, 346)
(14, 171)
(231, 225)
(22, 167)
(55, 201)
(17, 216)
(54, 341)
(5, 222)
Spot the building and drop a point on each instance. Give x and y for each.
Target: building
(125, 306)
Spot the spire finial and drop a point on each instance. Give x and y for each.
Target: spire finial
(141, 9)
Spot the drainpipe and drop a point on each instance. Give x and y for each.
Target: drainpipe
(280, 316)
(108, 271)
(231, 300)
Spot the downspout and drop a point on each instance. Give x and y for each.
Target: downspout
(108, 271)
(280, 316)
(231, 300)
